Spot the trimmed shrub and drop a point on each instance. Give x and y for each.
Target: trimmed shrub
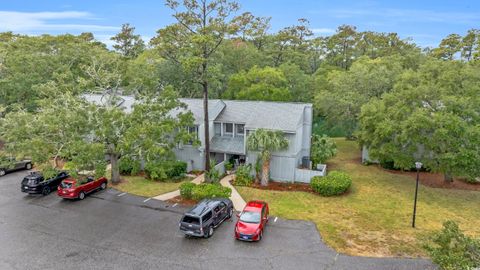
(155, 171)
(335, 183)
(165, 170)
(206, 191)
(129, 166)
(243, 176)
(186, 190)
(175, 168)
(452, 250)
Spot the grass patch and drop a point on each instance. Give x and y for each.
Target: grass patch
(374, 218)
(141, 186)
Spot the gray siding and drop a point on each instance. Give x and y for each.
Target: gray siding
(192, 156)
(282, 168)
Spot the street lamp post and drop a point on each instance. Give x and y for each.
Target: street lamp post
(418, 165)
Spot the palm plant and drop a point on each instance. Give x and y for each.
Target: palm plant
(266, 142)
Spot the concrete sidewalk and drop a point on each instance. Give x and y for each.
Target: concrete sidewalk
(176, 193)
(238, 202)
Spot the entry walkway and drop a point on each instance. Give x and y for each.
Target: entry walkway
(238, 202)
(176, 193)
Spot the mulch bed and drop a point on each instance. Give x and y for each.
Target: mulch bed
(435, 180)
(182, 201)
(281, 186)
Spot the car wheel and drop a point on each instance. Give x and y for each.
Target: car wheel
(103, 186)
(210, 232)
(2, 172)
(45, 191)
(81, 195)
(28, 166)
(230, 213)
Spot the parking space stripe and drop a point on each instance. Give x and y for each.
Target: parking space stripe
(121, 194)
(175, 205)
(275, 220)
(147, 200)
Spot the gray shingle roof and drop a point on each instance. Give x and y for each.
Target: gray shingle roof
(227, 145)
(283, 116)
(125, 102)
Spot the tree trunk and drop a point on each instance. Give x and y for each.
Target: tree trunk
(448, 178)
(207, 133)
(55, 162)
(265, 172)
(115, 173)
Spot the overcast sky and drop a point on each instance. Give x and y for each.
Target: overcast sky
(425, 21)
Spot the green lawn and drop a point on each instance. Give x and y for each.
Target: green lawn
(141, 186)
(374, 219)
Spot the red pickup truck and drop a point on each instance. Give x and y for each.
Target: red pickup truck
(71, 188)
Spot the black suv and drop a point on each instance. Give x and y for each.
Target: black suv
(34, 183)
(205, 216)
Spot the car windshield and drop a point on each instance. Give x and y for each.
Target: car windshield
(250, 217)
(66, 185)
(32, 181)
(191, 220)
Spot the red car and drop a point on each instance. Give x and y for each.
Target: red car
(71, 188)
(252, 221)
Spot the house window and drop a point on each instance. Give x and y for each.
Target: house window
(218, 129)
(228, 129)
(239, 129)
(193, 130)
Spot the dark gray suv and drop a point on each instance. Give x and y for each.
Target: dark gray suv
(203, 218)
(10, 164)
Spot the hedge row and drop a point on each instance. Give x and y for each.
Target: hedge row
(155, 170)
(204, 191)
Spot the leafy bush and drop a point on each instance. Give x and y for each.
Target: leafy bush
(228, 166)
(129, 166)
(186, 190)
(323, 148)
(335, 183)
(165, 169)
(243, 176)
(205, 191)
(175, 168)
(471, 180)
(212, 176)
(452, 250)
(388, 164)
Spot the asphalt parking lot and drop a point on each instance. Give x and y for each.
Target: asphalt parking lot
(111, 230)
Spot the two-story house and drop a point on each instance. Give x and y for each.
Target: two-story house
(230, 123)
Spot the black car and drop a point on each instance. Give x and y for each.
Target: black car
(10, 164)
(34, 183)
(206, 216)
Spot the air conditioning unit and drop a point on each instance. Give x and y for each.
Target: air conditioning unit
(306, 162)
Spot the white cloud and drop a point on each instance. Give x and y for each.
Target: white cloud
(27, 22)
(409, 15)
(323, 30)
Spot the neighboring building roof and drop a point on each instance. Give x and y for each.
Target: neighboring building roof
(125, 102)
(228, 145)
(283, 116)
